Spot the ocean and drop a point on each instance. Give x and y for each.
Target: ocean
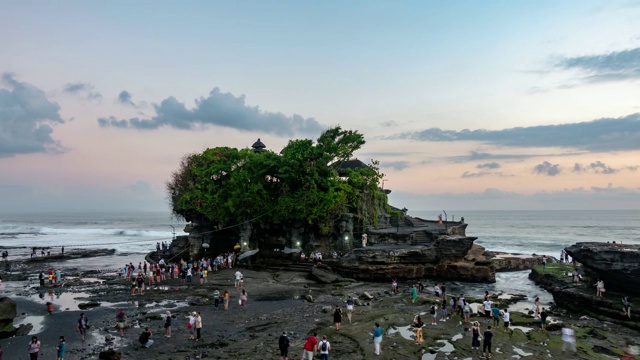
(527, 232)
(135, 234)
(544, 232)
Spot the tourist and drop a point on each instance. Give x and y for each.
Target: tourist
(486, 296)
(487, 310)
(189, 275)
(82, 326)
(198, 326)
(34, 348)
(241, 279)
(536, 308)
(414, 293)
(225, 299)
(144, 338)
(461, 304)
(543, 319)
(337, 316)
(167, 324)
(466, 311)
(443, 291)
(496, 315)
(599, 288)
(576, 277)
(486, 343)
(134, 286)
(394, 285)
(216, 298)
(364, 240)
(310, 347)
(60, 348)
(475, 336)
(626, 307)
(140, 283)
(544, 263)
(444, 316)
(349, 308)
(324, 347)
(434, 314)
(506, 317)
(454, 307)
(237, 277)
(283, 345)
(417, 327)
(377, 339)
(191, 325)
(121, 321)
(436, 291)
(243, 299)
(568, 338)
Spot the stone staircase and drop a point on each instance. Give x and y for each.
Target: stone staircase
(420, 238)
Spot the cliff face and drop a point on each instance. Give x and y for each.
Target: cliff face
(616, 264)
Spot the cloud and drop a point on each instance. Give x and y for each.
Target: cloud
(591, 198)
(614, 66)
(219, 109)
(397, 165)
(607, 134)
(126, 98)
(82, 89)
(26, 117)
(599, 167)
(389, 123)
(480, 156)
(492, 165)
(468, 174)
(546, 168)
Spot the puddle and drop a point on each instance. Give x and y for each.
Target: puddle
(447, 348)
(457, 337)
(428, 356)
(405, 331)
(524, 329)
(36, 320)
(521, 352)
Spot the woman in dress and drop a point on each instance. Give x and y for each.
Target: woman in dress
(337, 316)
(536, 308)
(243, 299)
(475, 335)
(417, 327)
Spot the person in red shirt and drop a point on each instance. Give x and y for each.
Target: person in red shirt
(310, 347)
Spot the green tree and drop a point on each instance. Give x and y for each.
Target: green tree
(226, 185)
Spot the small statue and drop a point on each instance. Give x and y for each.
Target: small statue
(364, 240)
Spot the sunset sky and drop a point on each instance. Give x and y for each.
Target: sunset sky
(468, 105)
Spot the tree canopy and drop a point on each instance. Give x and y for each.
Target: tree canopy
(226, 185)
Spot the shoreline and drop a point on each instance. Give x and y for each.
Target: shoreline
(276, 303)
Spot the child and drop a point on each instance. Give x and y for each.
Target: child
(61, 346)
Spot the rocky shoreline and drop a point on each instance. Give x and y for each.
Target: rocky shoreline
(289, 300)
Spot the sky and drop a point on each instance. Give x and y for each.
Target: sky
(470, 105)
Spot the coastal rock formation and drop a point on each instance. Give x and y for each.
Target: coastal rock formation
(439, 256)
(7, 313)
(616, 264)
(515, 262)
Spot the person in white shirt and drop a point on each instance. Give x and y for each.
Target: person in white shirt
(568, 338)
(324, 347)
(506, 317)
(487, 310)
(238, 276)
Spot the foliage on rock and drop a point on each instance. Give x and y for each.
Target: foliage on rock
(301, 184)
